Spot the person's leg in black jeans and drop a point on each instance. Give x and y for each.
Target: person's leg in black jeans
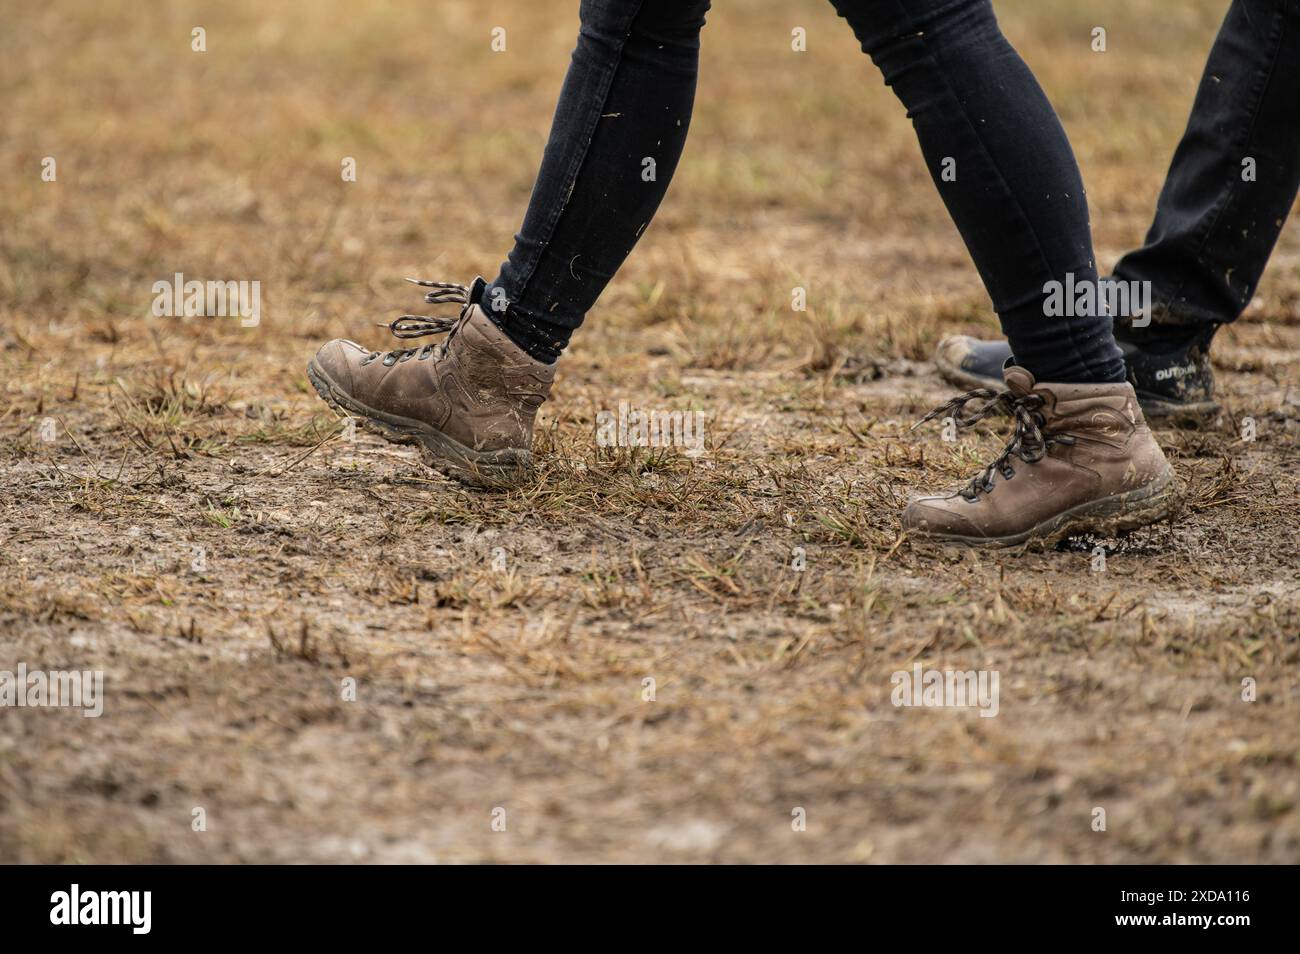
(1233, 179)
(470, 403)
(1081, 459)
(1230, 188)
(618, 132)
(621, 123)
(1017, 197)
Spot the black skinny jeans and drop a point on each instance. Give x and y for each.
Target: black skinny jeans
(1017, 197)
(1233, 178)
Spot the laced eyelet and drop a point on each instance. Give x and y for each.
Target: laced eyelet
(417, 326)
(1028, 442)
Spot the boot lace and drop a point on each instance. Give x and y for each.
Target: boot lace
(1029, 441)
(418, 326)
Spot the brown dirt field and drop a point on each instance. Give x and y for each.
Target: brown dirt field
(480, 688)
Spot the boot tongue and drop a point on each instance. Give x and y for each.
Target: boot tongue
(1019, 381)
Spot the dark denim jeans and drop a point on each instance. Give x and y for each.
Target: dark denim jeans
(1016, 197)
(618, 132)
(1215, 224)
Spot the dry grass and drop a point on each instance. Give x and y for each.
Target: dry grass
(523, 688)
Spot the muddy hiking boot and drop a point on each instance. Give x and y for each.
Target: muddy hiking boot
(468, 402)
(1081, 461)
(1172, 378)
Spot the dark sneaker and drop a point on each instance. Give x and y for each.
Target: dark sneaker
(1173, 380)
(468, 403)
(971, 362)
(1081, 461)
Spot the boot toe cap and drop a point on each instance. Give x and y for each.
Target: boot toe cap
(337, 359)
(936, 516)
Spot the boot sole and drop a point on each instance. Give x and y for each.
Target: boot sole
(489, 469)
(1111, 516)
(1173, 412)
(1154, 408)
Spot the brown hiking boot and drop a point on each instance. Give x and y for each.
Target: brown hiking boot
(468, 403)
(1081, 461)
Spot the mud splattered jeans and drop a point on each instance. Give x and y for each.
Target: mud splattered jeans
(1234, 175)
(993, 144)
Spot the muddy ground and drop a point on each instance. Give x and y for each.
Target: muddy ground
(314, 649)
